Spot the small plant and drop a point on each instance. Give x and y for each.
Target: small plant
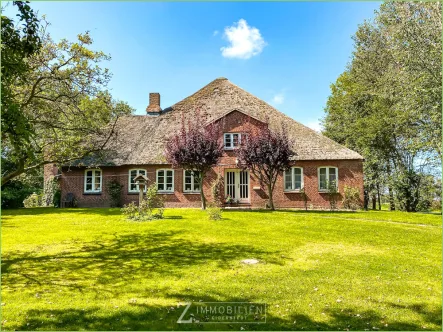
(351, 198)
(33, 200)
(229, 200)
(332, 194)
(217, 190)
(214, 212)
(304, 197)
(114, 190)
(151, 207)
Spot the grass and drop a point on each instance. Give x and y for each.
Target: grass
(71, 269)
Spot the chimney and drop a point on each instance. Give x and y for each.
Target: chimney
(154, 104)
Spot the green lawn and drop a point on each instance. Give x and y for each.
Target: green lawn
(91, 269)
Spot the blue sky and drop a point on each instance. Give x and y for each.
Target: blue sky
(287, 54)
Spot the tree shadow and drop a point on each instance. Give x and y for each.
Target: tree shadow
(123, 258)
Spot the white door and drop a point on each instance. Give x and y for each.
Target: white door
(237, 185)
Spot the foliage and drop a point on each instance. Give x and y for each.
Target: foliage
(217, 190)
(387, 104)
(33, 200)
(351, 198)
(151, 207)
(266, 154)
(115, 192)
(51, 192)
(16, 190)
(58, 109)
(332, 192)
(91, 249)
(214, 212)
(304, 197)
(195, 148)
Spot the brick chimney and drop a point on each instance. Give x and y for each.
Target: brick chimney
(154, 104)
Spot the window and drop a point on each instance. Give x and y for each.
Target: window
(326, 176)
(133, 186)
(293, 179)
(93, 181)
(191, 181)
(165, 180)
(232, 140)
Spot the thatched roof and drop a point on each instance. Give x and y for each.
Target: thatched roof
(140, 139)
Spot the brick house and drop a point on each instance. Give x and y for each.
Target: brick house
(138, 145)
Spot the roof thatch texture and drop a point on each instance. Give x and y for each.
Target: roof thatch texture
(140, 139)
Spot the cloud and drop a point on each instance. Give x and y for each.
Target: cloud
(215, 33)
(315, 124)
(245, 41)
(278, 99)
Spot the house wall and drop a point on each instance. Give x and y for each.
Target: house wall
(350, 173)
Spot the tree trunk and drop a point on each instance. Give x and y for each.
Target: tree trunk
(270, 200)
(391, 199)
(374, 202)
(379, 197)
(202, 194)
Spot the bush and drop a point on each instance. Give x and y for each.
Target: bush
(33, 200)
(217, 190)
(332, 194)
(151, 207)
(115, 192)
(214, 212)
(351, 198)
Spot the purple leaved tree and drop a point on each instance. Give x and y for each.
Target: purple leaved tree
(195, 148)
(266, 154)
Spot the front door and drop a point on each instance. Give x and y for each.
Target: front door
(237, 185)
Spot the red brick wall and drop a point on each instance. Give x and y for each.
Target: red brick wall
(350, 173)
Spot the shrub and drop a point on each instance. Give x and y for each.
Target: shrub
(304, 198)
(151, 207)
(217, 190)
(332, 194)
(351, 198)
(33, 200)
(214, 212)
(115, 191)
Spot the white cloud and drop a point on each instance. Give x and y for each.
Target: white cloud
(245, 41)
(215, 33)
(278, 99)
(315, 124)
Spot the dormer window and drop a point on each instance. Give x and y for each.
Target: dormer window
(232, 140)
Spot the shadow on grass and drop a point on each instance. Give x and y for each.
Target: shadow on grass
(148, 317)
(122, 258)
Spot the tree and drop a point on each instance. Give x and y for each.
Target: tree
(58, 109)
(387, 104)
(195, 148)
(266, 154)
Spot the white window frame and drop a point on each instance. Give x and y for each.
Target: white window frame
(231, 135)
(93, 191)
(129, 180)
(293, 179)
(192, 182)
(164, 183)
(327, 177)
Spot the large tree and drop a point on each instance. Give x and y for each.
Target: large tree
(195, 148)
(387, 104)
(57, 109)
(266, 154)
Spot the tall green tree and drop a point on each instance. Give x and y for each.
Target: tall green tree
(387, 104)
(58, 108)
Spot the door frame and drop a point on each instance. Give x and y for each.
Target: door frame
(237, 183)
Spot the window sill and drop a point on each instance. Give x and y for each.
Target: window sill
(92, 193)
(191, 193)
(298, 191)
(165, 192)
